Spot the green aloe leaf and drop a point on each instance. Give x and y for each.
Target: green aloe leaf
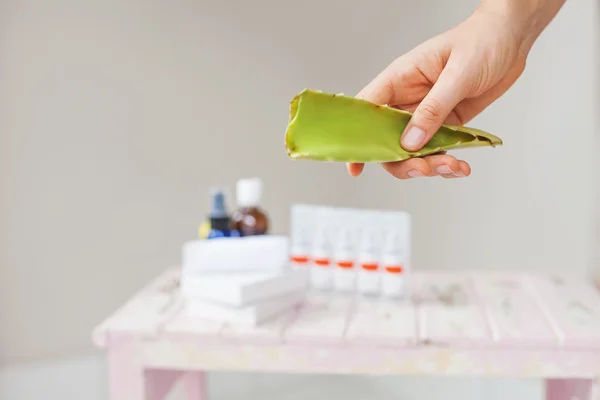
(334, 127)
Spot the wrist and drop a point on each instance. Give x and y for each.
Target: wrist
(526, 18)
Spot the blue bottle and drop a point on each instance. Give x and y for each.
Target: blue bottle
(220, 223)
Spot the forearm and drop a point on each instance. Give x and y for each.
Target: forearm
(529, 17)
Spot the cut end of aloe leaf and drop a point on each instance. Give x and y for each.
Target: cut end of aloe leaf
(339, 128)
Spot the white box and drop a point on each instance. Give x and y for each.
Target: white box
(251, 253)
(238, 289)
(251, 314)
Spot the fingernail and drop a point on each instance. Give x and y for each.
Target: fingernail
(444, 170)
(413, 173)
(458, 174)
(413, 138)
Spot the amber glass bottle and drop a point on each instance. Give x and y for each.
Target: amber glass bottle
(250, 219)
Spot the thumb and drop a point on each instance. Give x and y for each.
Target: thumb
(446, 93)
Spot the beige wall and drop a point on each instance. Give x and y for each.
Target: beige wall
(116, 116)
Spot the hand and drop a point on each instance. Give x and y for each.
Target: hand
(456, 75)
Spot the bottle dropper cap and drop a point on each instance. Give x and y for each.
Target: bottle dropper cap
(248, 192)
(217, 207)
(219, 220)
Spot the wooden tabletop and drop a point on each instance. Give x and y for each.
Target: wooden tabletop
(455, 323)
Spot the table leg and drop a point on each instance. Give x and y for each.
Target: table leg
(194, 385)
(158, 383)
(126, 379)
(569, 389)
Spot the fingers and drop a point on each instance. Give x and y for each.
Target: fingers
(437, 165)
(465, 168)
(412, 168)
(446, 166)
(446, 93)
(355, 169)
(436, 108)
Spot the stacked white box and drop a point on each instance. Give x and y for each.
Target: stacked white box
(240, 280)
(242, 288)
(374, 258)
(252, 253)
(247, 314)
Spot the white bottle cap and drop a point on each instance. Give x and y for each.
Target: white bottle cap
(248, 192)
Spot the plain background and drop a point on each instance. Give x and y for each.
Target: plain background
(117, 116)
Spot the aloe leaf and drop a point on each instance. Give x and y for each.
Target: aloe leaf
(334, 127)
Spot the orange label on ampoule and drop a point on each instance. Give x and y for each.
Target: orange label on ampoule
(299, 259)
(345, 264)
(370, 267)
(394, 269)
(322, 262)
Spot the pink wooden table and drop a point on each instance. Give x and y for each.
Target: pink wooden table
(491, 324)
